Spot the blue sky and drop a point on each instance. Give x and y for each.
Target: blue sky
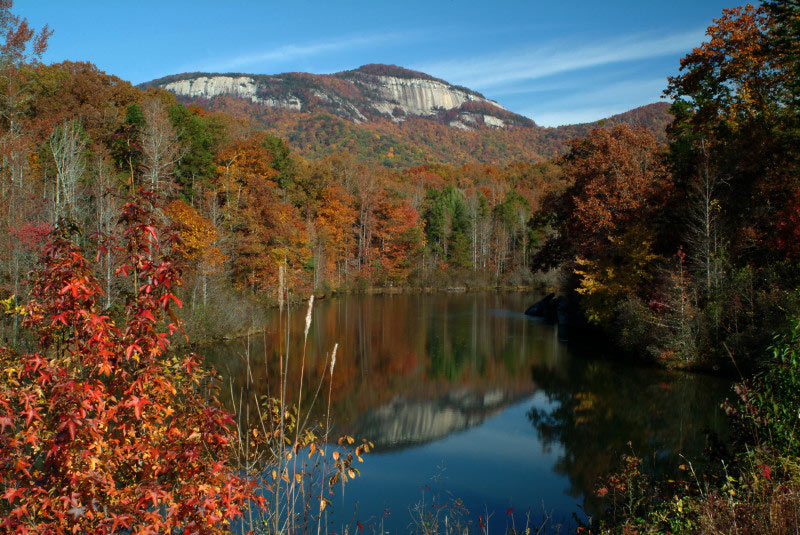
(557, 62)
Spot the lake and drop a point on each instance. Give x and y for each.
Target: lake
(467, 398)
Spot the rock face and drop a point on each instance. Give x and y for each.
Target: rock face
(416, 96)
(237, 86)
(368, 93)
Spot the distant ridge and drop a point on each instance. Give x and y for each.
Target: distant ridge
(389, 114)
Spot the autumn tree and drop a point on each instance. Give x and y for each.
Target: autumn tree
(728, 119)
(619, 177)
(267, 229)
(606, 221)
(735, 170)
(335, 223)
(239, 163)
(400, 239)
(621, 270)
(21, 48)
(102, 431)
(198, 242)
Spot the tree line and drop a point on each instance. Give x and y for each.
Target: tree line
(687, 252)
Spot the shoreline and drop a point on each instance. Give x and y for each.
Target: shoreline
(584, 331)
(371, 291)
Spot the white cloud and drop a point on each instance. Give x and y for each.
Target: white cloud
(629, 90)
(574, 115)
(515, 65)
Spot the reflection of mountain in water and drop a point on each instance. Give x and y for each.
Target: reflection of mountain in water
(403, 422)
(413, 369)
(410, 368)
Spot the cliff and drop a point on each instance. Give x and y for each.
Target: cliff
(389, 115)
(369, 93)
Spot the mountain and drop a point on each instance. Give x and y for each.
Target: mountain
(389, 115)
(369, 93)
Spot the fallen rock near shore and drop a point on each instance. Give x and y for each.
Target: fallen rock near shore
(545, 308)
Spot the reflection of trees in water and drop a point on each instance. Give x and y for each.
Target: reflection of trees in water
(471, 337)
(419, 348)
(601, 411)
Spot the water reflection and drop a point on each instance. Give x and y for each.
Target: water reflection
(434, 363)
(601, 410)
(467, 384)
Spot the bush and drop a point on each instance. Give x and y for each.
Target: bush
(756, 491)
(101, 430)
(769, 407)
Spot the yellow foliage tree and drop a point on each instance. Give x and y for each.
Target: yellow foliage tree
(198, 240)
(625, 266)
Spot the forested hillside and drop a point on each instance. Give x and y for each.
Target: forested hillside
(417, 141)
(390, 116)
(249, 209)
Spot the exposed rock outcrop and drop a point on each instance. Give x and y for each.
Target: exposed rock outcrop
(560, 310)
(238, 86)
(370, 92)
(545, 308)
(416, 96)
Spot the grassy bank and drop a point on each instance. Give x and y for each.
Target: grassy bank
(750, 486)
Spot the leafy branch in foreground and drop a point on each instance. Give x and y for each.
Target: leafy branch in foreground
(101, 431)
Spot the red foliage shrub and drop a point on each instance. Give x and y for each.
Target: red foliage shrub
(101, 431)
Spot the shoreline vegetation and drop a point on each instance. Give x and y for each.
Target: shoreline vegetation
(123, 209)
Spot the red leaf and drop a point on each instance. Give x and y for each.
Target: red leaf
(766, 470)
(11, 494)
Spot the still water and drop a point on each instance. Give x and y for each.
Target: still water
(465, 397)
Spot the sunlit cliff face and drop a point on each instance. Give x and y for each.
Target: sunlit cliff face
(389, 97)
(237, 86)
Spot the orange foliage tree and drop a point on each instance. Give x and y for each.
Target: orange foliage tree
(335, 227)
(619, 176)
(400, 239)
(620, 180)
(240, 164)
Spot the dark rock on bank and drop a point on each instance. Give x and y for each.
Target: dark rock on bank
(545, 308)
(560, 310)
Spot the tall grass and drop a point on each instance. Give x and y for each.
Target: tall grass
(286, 450)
